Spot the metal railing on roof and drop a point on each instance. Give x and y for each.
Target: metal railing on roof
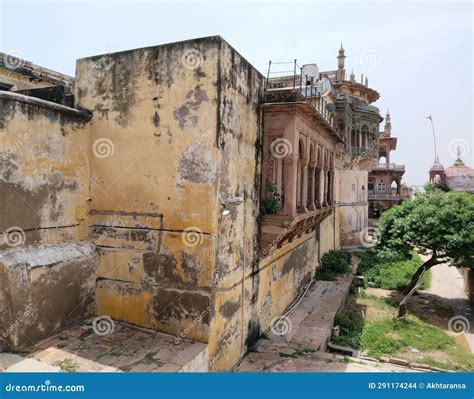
(295, 88)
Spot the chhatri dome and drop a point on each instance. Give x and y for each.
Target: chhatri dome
(460, 177)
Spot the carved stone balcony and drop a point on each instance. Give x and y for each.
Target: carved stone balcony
(277, 230)
(391, 167)
(364, 152)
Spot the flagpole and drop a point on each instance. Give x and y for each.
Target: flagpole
(434, 137)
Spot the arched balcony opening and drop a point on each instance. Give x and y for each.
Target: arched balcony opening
(311, 179)
(364, 136)
(302, 179)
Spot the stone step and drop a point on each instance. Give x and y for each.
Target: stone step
(11, 362)
(313, 319)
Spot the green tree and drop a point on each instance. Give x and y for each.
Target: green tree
(437, 224)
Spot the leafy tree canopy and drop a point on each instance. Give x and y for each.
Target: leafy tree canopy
(439, 224)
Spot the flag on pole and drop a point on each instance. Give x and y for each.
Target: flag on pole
(429, 117)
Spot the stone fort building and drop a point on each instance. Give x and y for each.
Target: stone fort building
(175, 188)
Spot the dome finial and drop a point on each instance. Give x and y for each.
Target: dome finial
(458, 161)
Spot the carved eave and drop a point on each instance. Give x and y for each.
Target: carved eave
(355, 89)
(279, 230)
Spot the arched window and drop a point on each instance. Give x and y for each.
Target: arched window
(341, 126)
(354, 142)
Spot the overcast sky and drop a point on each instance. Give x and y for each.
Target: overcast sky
(417, 55)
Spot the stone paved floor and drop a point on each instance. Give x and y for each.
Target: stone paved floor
(126, 348)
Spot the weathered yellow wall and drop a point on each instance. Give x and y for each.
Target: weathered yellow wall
(44, 174)
(155, 208)
(247, 304)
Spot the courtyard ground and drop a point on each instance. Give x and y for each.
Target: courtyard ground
(428, 335)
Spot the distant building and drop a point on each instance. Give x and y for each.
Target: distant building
(458, 177)
(385, 186)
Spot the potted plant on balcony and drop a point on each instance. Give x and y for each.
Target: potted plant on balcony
(272, 201)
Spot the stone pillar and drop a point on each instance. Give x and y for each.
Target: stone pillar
(325, 187)
(317, 188)
(331, 188)
(304, 182)
(312, 177)
(291, 176)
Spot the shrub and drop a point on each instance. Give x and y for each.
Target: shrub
(390, 271)
(333, 263)
(272, 201)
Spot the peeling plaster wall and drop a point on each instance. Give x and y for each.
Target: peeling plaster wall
(154, 189)
(47, 276)
(44, 172)
(239, 139)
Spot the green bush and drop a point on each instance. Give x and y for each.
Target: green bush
(272, 200)
(333, 264)
(390, 272)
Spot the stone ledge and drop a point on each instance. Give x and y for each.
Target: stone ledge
(47, 289)
(48, 105)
